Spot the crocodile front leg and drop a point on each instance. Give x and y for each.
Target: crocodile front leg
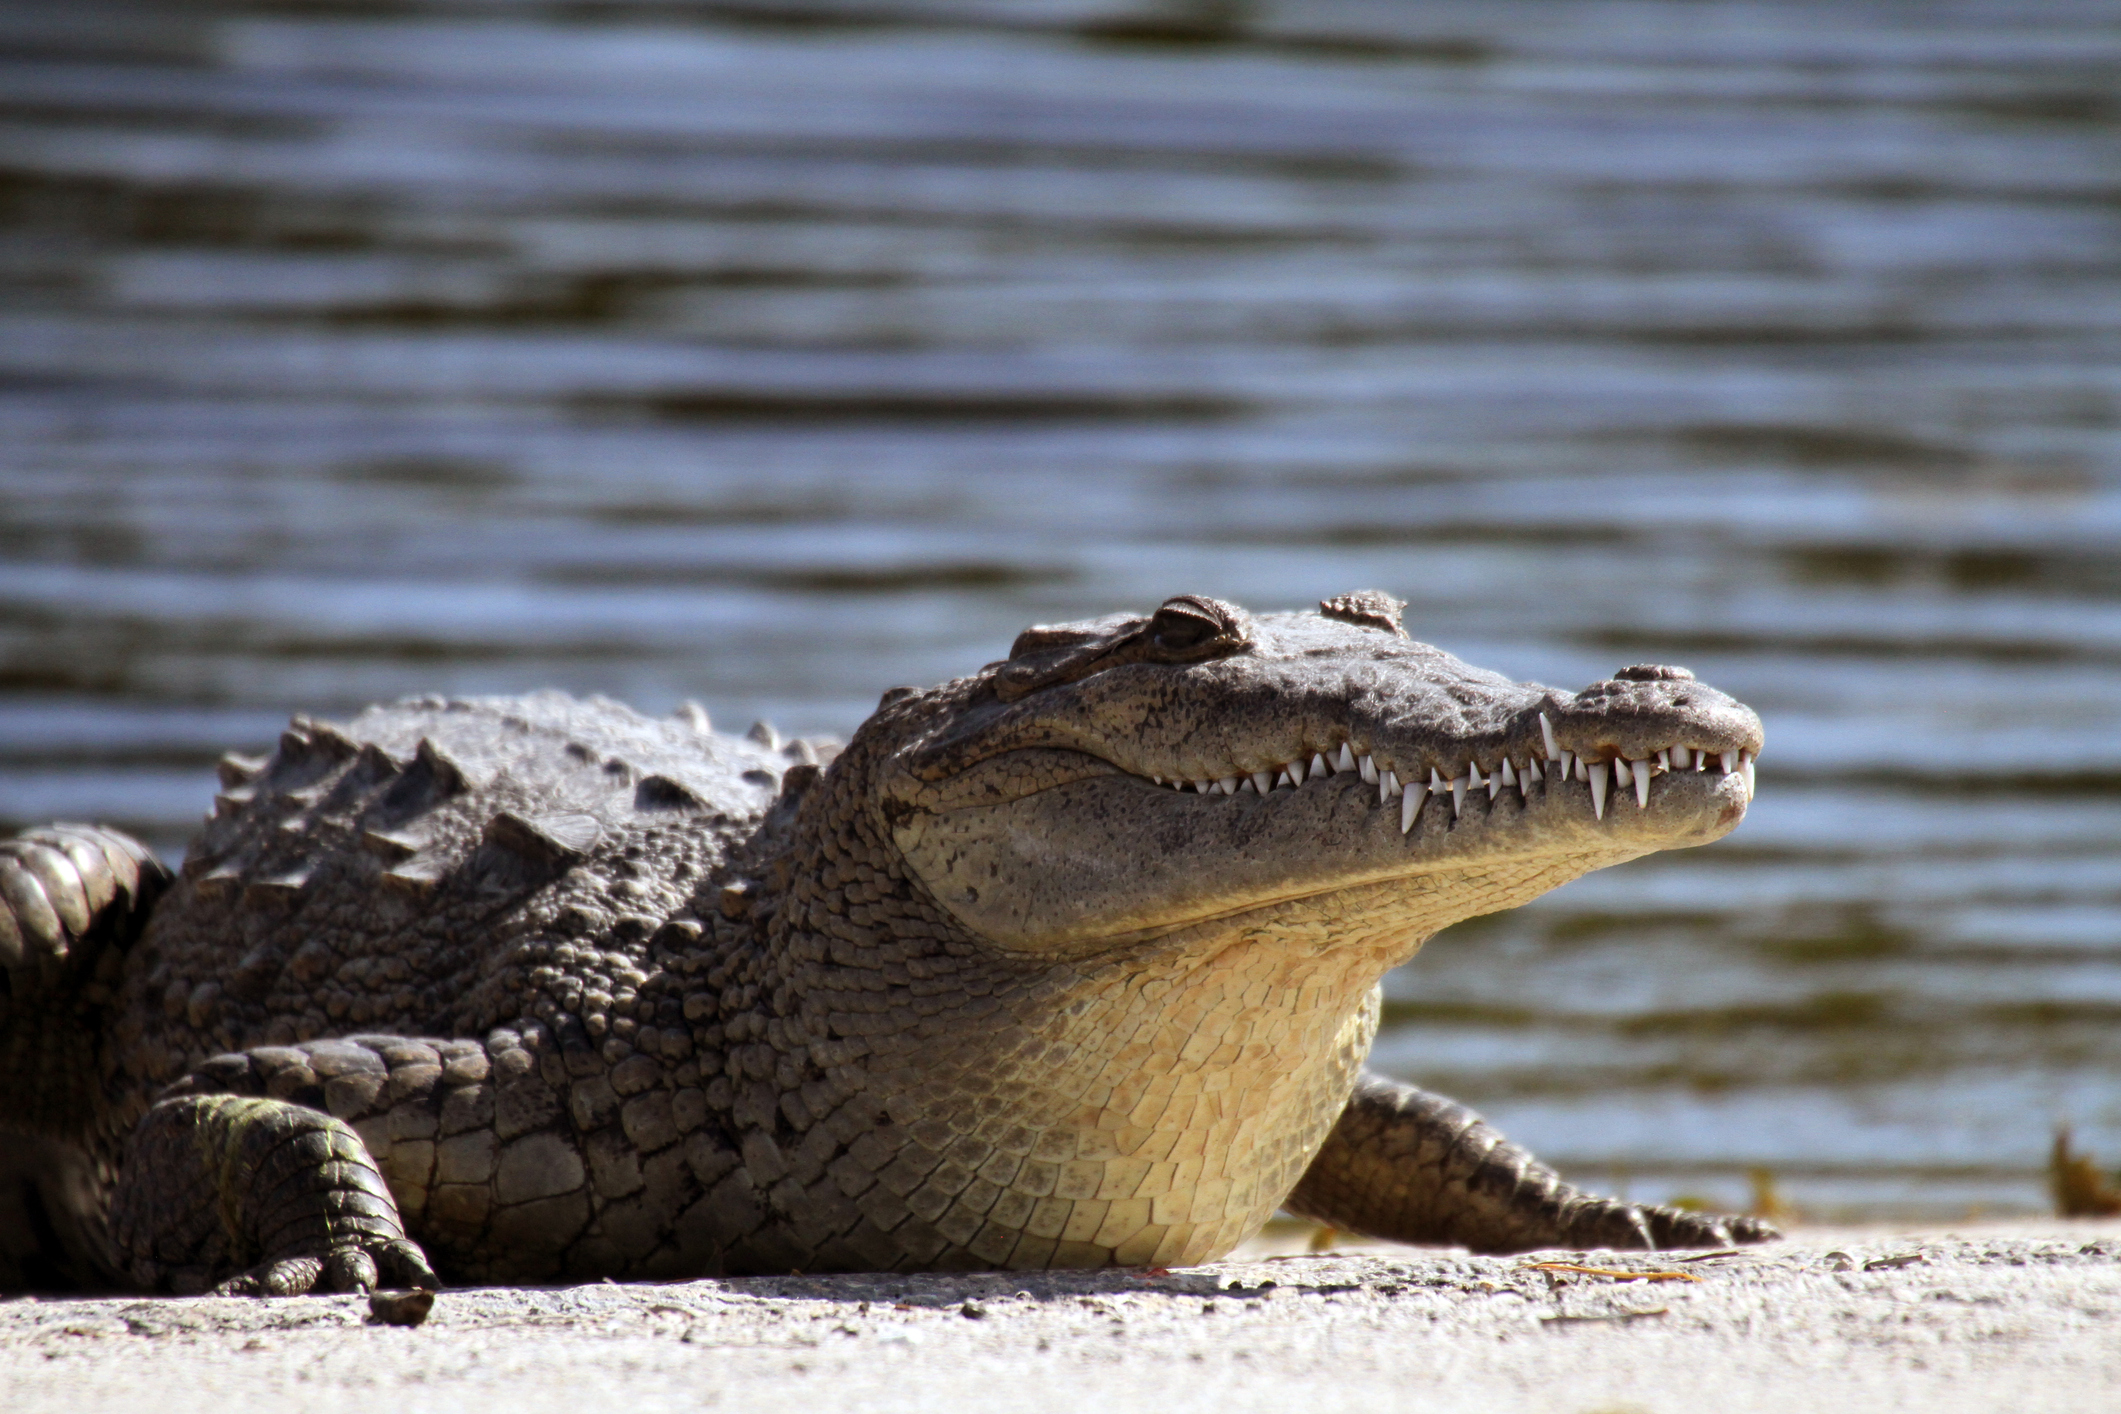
(260, 1196)
(1409, 1166)
(286, 1169)
(321, 1165)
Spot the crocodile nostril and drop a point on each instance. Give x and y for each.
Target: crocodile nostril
(1654, 672)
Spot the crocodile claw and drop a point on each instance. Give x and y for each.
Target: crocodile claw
(1676, 1227)
(360, 1266)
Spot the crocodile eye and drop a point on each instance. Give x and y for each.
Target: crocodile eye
(1176, 632)
(1185, 626)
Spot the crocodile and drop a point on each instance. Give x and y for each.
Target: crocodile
(1072, 962)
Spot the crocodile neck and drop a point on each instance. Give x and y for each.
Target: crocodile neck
(1191, 1075)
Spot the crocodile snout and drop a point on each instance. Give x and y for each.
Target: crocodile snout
(1648, 719)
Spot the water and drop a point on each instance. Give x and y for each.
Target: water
(775, 353)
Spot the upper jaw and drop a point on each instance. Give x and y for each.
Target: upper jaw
(1411, 722)
(1450, 730)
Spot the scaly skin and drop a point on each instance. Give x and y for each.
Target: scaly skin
(535, 988)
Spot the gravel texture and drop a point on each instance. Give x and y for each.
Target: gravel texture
(2018, 1317)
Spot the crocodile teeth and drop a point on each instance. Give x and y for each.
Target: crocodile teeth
(1289, 777)
(1730, 762)
(1664, 758)
(1681, 758)
(1622, 771)
(1509, 773)
(1391, 778)
(1494, 783)
(1410, 806)
(1599, 774)
(1318, 767)
(1368, 767)
(1458, 797)
(1473, 774)
(1245, 787)
(1745, 764)
(1346, 760)
(1546, 729)
(1228, 785)
(1203, 787)
(1262, 781)
(1582, 771)
(1642, 785)
(1568, 764)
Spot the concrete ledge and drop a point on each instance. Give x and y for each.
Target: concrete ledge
(2023, 1317)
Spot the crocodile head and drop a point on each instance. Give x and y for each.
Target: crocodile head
(1111, 915)
(1131, 776)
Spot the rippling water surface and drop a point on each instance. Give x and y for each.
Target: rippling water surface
(771, 353)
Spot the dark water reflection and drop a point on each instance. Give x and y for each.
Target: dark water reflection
(774, 353)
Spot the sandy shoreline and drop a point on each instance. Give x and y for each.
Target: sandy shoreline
(2016, 1316)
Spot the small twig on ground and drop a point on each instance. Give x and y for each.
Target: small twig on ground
(1894, 1263)
(1618, 1316)
(1617, 1273)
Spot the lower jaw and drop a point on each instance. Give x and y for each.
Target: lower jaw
(1487, 856)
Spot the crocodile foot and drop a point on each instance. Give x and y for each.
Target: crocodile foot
(251, 1196)
(1411, 1166)
(353, 1266)
(1567, 1217)
(1586, 1220)
(1677, 1227)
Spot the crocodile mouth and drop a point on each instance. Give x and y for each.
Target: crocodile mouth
(1599, 771)
(1053, 846)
